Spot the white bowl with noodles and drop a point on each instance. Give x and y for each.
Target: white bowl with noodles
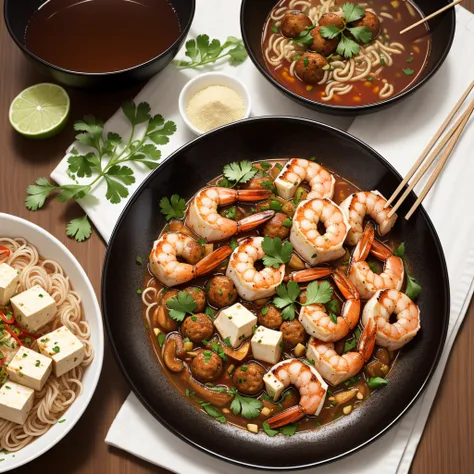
(50, 248)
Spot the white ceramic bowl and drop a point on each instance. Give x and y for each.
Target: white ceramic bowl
(211, 79)
(50, 247)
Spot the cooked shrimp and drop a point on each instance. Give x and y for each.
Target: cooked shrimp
(315, 318)
(306, 379)
(336, 368)
(365, 280)
(381, 306)
(252, 284)
(297, 170)
(305, 237)
(206, 222)
(164, 262)
(366, 203)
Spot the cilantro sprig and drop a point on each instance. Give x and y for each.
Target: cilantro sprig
(413, 288)
(248, 407)
(237, 173)
(173, 207)
(202, 51)
(276, 253)
(104, 161)
(288, 430)
(181, 305)
(286, 299)
(347, 47)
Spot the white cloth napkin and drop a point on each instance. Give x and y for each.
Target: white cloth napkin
(399, 133)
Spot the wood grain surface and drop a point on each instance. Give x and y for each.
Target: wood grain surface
(447, 443)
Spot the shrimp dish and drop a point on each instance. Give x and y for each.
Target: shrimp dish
(276, 298)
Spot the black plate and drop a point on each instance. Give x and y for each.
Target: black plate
(186, 171)
(254, 13)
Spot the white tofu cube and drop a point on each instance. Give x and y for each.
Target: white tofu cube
(29, 368)
(16, 402)
(8, 346)
(33, 308)
(9, 280)
(266, 345)
(236, 323)
(272, 385)
(66, 350)
(285, 188)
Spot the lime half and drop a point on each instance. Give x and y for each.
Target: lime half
(40, 111)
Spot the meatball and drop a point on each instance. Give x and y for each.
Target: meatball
(194, 251)
(197, 327)
(293, 333)
(332, 19)
(275, 228)
(309, 67)
(161, 315)
(294, 22)
(207, 366)
(322, 45)
(248, 378)
(199, 296)
(222, 292)
(271, 319)
(165, 297)
(371, 21)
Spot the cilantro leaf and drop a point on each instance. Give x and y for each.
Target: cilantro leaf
(160, 136)
(173, 208)
(286, 299)
(347, 47)
(231, 213)
(37, 193)
(400, 252)
(361, 33)
(413, 288)
(83, 165)
(136, 114)
(352, 12)
(305, 38)
(217, 348)
(72, 191)
(289, 430)
(330, 31)
(116, 179)
(233, 243)
(80, 228)
(276, 253)
(351, 343)
(149, 156)
(240, 172)
(237, 55)
(268, 430)
(372, 266)
(320, 293)
(180, 305)
(191, 50)
(409, 71)
(376, 382)
(213, 411)
(246, 406)
(332, 307)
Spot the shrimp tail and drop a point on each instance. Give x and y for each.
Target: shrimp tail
(367, 340)
(345, 285)
(291, 415)
(362, 249)
(378, 250)
(309, 274)
(250, 222)
(253, 194)
(211, 261)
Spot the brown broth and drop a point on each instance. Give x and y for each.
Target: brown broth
(182, 382)
(101, 35)
(417, 43)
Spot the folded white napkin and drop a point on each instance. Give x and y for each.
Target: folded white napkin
(400, 134)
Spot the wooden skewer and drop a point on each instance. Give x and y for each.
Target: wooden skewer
(429, 17)
(444, 158)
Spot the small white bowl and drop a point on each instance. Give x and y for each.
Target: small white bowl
(206, 80)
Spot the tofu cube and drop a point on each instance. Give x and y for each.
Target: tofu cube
(272, 385)
(285, 188)
(29, 368)
(266, 345)
(33, 308)
(236, 323)
(16, 402)
(66, 350)
(9, 280)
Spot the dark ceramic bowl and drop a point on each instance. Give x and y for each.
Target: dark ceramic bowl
(17, 14)
(185, 172)
(254, 13)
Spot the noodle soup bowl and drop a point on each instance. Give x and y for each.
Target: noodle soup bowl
(253, 18)
(51, 248)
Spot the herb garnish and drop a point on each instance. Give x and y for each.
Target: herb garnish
(233, 243)
(180, 305)
(376, 382)
(408, 71)
(288, 430)
(218, 349)
(351, 343)
(276, 253)
(286, 299)
(305, 38)
(246, 406)
(413, 289)
(238, 173)
(172, 207)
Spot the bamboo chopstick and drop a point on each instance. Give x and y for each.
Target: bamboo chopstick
(444, 158)
(429, 17)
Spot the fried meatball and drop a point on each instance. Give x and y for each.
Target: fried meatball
(197, 327)
(222, 292)
(161, 315)
(322, 45)
(248, 378)
(294, 22)
(371, 21)
(275, 228)
(207, 366)
(293, 333)
(332, 19)
(166, 296)
(194, 251)
(271, 319)
(199, 296)
(309, 67)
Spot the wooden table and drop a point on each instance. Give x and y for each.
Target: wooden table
(447, 442)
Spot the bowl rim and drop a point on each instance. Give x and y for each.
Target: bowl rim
(27, 52)
(84, 400)
(351, 109)
(142, 398)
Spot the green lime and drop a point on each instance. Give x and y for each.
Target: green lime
(40, 111)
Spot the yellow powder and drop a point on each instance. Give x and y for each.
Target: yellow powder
(215, 106)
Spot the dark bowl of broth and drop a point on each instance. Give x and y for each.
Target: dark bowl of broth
(396, 65)
(99, 43)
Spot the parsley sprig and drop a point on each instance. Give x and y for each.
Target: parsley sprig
(173, 207)
(181, 305)
(276, 253)
(202, 51)
(248, 407)
(288, 430)
(237, 173)
(104, 159)
(413, 289)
